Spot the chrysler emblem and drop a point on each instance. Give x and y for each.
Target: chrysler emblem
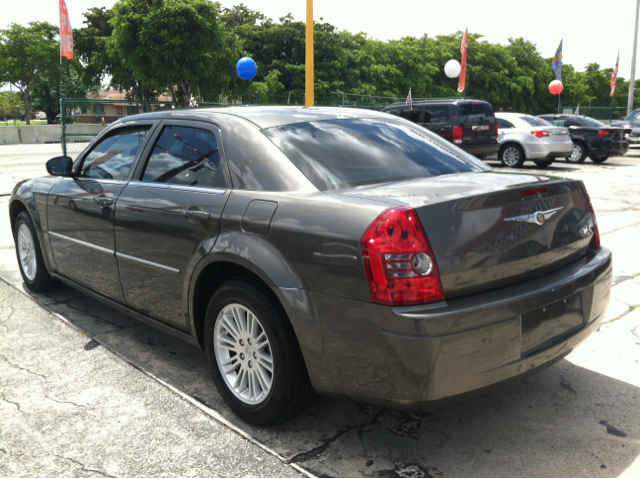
(537, 218)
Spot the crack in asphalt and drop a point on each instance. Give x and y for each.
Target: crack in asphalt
(65, 402)
(320, 449)
(3, 397)
(82, 466)
(4, 358)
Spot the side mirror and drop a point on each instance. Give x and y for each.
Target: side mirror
(60, 166)
(623, 118)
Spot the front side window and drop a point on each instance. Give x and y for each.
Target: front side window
(187, 157)
(339, 154)
(411, 114)
(113, 157)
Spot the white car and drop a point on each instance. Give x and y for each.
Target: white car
(41, 115)
(525, 137)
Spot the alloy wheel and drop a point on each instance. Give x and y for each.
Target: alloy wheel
(576, 155)
(511, 156)
(243, 354)
(27, 252)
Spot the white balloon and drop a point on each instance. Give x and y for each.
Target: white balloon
(452, 68)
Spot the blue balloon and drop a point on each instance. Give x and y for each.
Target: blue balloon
(246, 68)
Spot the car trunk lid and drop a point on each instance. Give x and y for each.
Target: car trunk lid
(492, 229)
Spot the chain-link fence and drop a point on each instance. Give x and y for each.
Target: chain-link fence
(606, 114)
(84, 118)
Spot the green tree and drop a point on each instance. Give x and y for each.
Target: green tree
(11, 106)
(28, 54)
(167, 42)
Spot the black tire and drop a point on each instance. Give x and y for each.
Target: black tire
(580, 151)
(291, 389)
(599, 159)
(41, 281)
(543, 163)
(511, 155)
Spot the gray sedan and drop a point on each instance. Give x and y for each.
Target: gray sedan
(333, 250)
(524, 137)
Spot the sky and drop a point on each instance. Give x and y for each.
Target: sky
(593, 30)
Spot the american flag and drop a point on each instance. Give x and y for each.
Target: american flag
(614, 78)
(409, 101)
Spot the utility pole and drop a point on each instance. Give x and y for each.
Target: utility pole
(424, 64)
(632, 80)
(309, 99)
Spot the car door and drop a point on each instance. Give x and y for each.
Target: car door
(169, 217)
(80, 210)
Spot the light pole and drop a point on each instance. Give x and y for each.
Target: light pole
(235, 59)
(632, 80)
(309, 99)
(424, 64)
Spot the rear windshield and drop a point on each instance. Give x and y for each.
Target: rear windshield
(346, 153)
(476, 111)
(535, 121)
(586, 121)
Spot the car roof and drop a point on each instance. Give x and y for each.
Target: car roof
(265, 116)
(436, 101)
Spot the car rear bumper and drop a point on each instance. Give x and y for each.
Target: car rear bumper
(420, 356)
(609, 148)
(481, 151)
(541, 150)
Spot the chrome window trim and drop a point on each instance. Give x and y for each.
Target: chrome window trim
(83, 243)
(97, 180)
(215, 191)
(135, 259)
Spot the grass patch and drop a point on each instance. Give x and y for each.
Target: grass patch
(22, 123)
(632, 308)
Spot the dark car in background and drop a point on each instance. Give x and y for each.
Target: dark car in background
(468, 124)
(591, 138)
(631, 124)
(343, 251)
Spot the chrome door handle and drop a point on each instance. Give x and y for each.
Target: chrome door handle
(103, 200)
(197, 214)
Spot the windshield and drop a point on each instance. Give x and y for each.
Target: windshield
(535, 121)
(633, 116)
(346, 153)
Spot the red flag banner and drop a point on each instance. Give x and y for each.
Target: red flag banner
(614, 78)
(66, 34)
(463, 63)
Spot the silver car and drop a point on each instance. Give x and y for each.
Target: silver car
(525, 137)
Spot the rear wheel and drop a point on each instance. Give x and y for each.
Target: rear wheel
(543, 163)
(579, 153)
(253, 354)
(32, 267)
(511, 155)
(599, 159)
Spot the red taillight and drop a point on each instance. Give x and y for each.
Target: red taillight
(400, 265)
(457, 135)
(595, 240)
(603, 133)
(540, 133)
(497, 132)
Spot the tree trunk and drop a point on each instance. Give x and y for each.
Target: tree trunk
(186, 92)
(174, 102)
(27, 107)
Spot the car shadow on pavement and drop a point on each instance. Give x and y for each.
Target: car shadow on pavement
(564, 421)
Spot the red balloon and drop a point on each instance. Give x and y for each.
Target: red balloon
(556, 87)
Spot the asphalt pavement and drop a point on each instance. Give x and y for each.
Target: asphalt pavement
(85, 390)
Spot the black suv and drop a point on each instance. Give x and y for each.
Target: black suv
(469, 124)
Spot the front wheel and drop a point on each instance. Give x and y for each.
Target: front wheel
(579, 153)
(32, 267)
(599, 159)
(512, 155)
(543, 163)
(253, 354)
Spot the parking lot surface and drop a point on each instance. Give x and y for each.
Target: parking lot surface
(576, 418)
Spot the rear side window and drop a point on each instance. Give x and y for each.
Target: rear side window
(411, 114)
(476, 112)
(504, 123)
(346, 153)
(535, 121)
(185, 156)
(112, 157)
(437, 114)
